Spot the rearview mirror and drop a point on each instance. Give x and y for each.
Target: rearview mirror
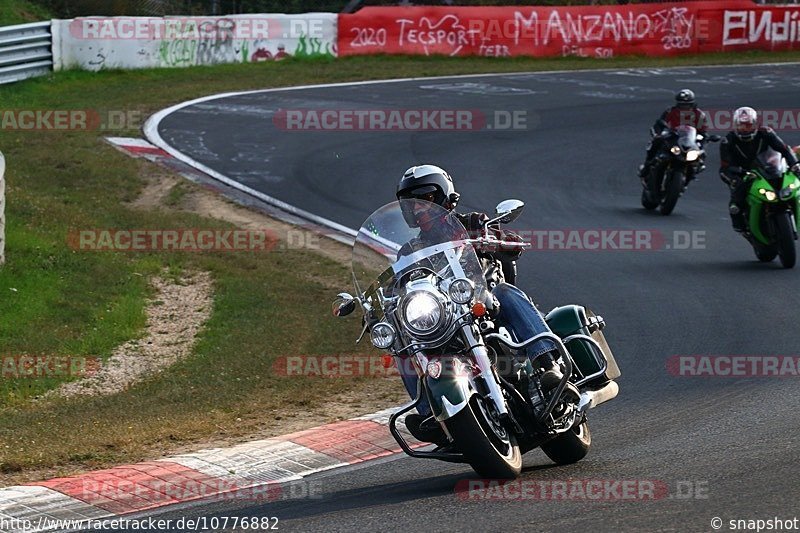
(507, 211)
(714, 138)
(343, 305)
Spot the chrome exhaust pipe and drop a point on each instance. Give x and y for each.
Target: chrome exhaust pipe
(594, 397)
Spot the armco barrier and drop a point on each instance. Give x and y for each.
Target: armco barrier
(661, 29)
(25, 51)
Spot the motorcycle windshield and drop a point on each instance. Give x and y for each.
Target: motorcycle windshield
(772, 164)
(687, 137)
(410, 236)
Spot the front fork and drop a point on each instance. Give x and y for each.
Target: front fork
(451, 392)
(481, 356)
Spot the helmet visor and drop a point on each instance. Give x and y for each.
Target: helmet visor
(746, 130)
(425, 192)
(419, 213)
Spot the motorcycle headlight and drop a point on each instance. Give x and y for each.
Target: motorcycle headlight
(422, 312)
(771, 196)
(461, 291)
(787, 192)
(675, 150)
(692, 155)
(382, 335)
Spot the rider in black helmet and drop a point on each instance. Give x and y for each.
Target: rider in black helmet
(684, 112)
(515, 311)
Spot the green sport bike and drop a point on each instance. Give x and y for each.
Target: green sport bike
(772, 209)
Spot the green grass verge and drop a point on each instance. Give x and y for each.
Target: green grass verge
(58, 301)
(21, 12)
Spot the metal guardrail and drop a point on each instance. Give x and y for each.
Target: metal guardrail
(26, 51)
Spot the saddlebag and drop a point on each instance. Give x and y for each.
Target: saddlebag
(573, 320)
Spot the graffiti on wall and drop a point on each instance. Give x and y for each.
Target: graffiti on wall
(672, 27)
(223, 48)
(192, 41)
(506, 31)
(746, 27)
(216, 44)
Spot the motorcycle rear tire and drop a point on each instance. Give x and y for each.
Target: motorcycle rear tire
(571, 446)
(764, 252)
(647, 203)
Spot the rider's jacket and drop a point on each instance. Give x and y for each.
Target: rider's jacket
(737, 155)
(672, 117)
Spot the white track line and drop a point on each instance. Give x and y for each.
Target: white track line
(151, 128)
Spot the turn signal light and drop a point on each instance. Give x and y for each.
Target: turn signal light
(478, 309)
(388, 361)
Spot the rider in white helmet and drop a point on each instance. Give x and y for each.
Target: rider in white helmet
(515, 310)
(738, 152)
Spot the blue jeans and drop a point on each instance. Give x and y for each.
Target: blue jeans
(522, 320)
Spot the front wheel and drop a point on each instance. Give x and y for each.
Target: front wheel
(785, 238)
(489, 448)
(673, 192)
(571, 446)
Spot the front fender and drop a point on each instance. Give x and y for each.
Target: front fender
(450, 393)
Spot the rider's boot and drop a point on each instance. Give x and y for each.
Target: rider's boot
(426, 429)
(737, 218)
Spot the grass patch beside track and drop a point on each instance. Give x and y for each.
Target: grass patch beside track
(57, 301)
(21, 12)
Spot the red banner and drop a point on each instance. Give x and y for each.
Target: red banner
(590, 31)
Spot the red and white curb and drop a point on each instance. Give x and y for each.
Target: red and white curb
(254, 470)
(137, 147)
(143, 149)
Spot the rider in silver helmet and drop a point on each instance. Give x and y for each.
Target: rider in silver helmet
(514, 309)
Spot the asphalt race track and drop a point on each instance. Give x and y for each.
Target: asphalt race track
(732, 440)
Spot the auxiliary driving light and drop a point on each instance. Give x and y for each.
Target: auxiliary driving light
(462, 291)
(382, 335)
